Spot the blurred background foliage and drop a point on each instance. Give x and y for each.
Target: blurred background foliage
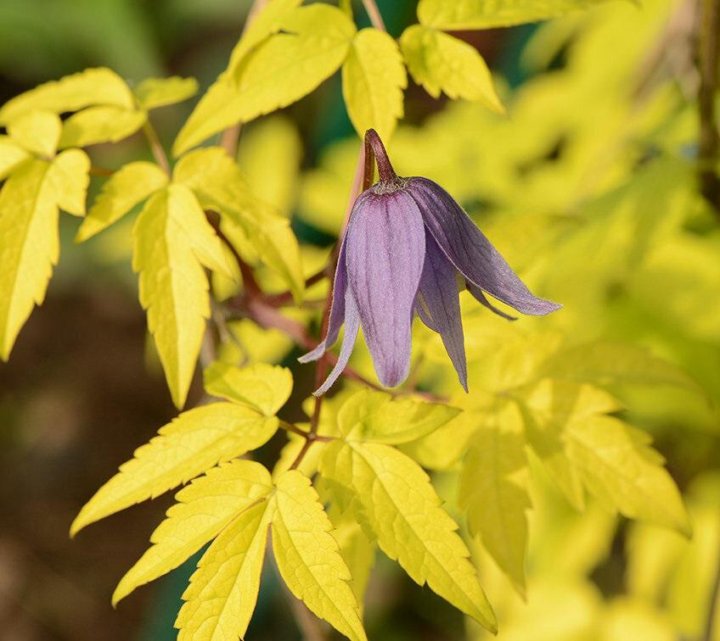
(587, 186)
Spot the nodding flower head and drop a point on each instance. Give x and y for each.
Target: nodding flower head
(405, 243)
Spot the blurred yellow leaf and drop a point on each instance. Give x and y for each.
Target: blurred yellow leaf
(11, 155)
(493, 491)
(37, 131)
(373, 78)
(440, 62)
(159, 92)
(483, 14)
(99, 86)
(100, 124)
(312, 45)
(203, 509)
(126, 188)
(191, 444)
(173, 241)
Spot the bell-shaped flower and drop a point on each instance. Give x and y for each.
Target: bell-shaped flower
(405, 243)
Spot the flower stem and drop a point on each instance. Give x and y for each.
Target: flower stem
(374, 148)
(156, 147)
(374, 14)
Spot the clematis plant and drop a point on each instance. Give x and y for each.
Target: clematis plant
(406, 242)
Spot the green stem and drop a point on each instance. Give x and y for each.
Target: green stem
(156, 147)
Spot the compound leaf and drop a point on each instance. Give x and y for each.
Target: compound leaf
(127, 187)
(440, 62)
(192, 443)
(308, 558)
(203, 509)
(263, 387)
(70, 174)
(11, 155)
(373, 79)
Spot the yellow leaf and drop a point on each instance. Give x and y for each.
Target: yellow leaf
(220, 185)
(376, 416)
(29, 246)
(272, 142)
(262, 387)
(440, 62)
(99, 86)
(11, 155)
(373, 79)
(221, 597)
(203, 510)
(70, 173)
(282, 69)
(493, 490)
(127, 187)
(36, 131)
(308, 558)
(194, 442)
(403, 511)
(159, 92)
(267, 22)
(173, 240)
(100, 124)
(614, 460)
(483, 14)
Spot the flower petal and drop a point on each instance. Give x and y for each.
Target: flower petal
(480, 298)
(468, 249)
(337, 309)
(439, 293)
(352, 324)
(385, 255)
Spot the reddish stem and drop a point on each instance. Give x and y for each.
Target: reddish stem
(374, 147)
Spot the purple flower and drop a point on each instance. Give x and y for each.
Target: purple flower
(405, 244)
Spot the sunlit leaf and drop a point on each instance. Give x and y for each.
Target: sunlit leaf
(36, 131)
(126, 188)
(400, 507)
(312, 45)
(373, 81)
(203, 509)
(221, 597)
(263, 387)
(173, 241)
(99, 86)
(483, 14)
(104, 123)
(308, 558)
(440, 62)
(193, 443)
(11, 155)
(376, 416)
(70, 176)
(159, 92)
(220, 185)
